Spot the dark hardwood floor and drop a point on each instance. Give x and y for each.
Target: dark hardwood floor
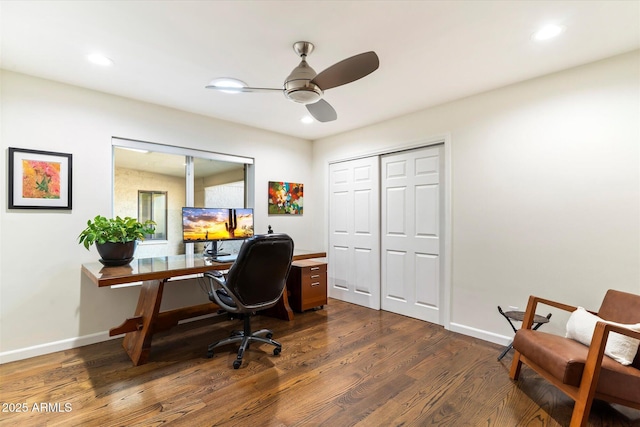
(341, 366)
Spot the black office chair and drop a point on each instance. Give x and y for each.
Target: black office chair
(254, 282)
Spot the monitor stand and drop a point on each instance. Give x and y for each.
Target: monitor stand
(213, 251)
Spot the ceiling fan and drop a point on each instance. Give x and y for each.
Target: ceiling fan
(306, 87)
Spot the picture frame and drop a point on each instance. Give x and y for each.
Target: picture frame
(39, 179)
(286, 198)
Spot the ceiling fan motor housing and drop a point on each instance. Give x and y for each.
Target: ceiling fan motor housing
(298, 86)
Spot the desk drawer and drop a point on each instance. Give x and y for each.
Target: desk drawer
(307, 285)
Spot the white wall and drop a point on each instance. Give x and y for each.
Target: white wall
(46, 304)
(545, 189)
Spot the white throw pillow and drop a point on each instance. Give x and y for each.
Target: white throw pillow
(620, 348)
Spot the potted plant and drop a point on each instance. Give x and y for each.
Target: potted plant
(115, 238)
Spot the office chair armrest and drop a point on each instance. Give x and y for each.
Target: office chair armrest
(216, 273)
(218, 282)
(216, 278)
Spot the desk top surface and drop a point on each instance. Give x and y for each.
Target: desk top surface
(165, 267)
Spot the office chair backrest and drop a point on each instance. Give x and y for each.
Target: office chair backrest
(259, 274)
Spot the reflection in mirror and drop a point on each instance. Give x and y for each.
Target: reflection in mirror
(218, 185)
(147, 171)
(152, 206)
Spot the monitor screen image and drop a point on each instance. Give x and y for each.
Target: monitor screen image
(213, 224)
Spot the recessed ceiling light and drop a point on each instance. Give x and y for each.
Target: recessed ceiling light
(98, 59)
(226, 84)
(547, 32)
(306, 120)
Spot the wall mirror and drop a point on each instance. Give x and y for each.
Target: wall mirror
(155, 181)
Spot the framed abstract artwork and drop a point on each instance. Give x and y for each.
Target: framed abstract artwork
(285, 198)
(39, 179)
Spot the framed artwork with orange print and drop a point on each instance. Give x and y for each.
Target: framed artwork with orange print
(39, 179)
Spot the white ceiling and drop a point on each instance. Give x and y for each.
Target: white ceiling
(431, 52)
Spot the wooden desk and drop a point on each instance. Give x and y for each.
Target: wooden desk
(154, 273)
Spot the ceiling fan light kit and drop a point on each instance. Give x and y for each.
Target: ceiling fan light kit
(227, 84)
(306, 87)
(298, 86)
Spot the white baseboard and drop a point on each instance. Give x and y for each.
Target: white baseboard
(479, 333)
(68, 344)
(52, 347)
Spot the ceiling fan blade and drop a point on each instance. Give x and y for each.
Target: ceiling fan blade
(322, 111)
(347, 70)
(242, 89)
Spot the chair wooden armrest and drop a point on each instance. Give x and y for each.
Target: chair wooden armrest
(599, 342)
(593, 364)
(533, 304)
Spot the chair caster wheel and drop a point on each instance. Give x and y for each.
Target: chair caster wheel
(276, 351)
(269, 336)
(236, 364)
(209, 354)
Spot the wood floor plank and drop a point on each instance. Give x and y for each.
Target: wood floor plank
(344, 365)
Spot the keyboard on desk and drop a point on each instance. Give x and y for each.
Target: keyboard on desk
(225, 258)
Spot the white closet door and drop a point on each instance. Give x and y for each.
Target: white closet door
(354, 232)
(411, 233)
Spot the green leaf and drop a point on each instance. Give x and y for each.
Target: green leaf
(102, 230)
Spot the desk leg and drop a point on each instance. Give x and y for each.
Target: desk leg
(282, 309)
(138, 343)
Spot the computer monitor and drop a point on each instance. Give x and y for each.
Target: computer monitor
(215, 225)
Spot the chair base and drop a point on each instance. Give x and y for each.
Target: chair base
(245, 338)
